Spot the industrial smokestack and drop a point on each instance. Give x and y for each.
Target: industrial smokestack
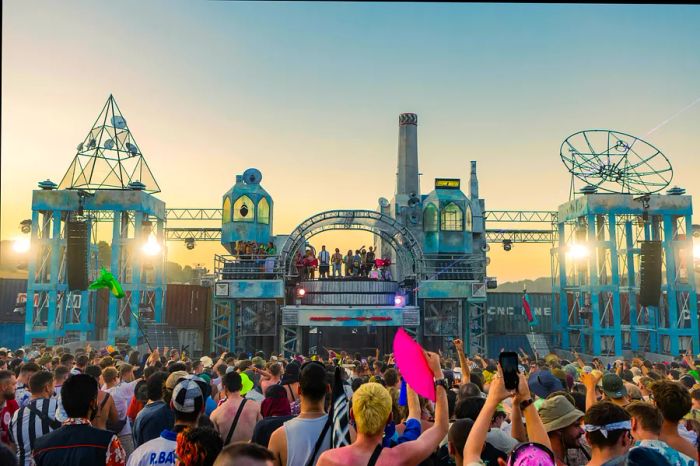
(473, 183)
(407, 180)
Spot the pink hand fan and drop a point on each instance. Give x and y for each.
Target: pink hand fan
(411, 361)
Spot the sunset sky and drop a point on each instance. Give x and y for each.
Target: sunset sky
(309, 93)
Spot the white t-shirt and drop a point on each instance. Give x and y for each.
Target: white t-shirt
(122, 394)
(160, 450)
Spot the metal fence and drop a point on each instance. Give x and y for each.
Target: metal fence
(247, 267)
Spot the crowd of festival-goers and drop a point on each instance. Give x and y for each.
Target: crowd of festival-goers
(120, 407)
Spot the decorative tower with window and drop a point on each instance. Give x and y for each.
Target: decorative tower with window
(246, 212)
(447, 219)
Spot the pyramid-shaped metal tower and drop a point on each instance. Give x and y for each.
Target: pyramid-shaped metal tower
(109, 157)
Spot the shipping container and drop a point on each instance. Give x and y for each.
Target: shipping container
(187, 306)
(11, 335)
(505, 314)
(494, 344)
(9, 289)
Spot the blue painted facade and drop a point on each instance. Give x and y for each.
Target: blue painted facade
(247, 212)
(59, 314)
(250, 289)
(598, 293)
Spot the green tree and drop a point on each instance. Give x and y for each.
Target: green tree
(104, 254)
(173, 272)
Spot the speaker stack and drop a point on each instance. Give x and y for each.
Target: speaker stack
(77, 255)
(650, 272)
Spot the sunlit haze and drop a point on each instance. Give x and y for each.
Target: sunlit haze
(310, 93)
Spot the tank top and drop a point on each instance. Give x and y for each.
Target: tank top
(302, 435)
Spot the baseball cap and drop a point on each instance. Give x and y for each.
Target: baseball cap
(613, 386)
(187, 396)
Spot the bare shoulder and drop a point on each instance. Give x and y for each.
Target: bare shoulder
(325, 459)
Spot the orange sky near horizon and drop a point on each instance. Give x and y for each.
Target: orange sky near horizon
(310, 95)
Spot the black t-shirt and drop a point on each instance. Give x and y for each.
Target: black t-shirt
(265, 427)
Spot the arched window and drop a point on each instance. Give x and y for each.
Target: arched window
(264, 211)
(451, 218)
(226, 214)
(430, 218)
(468, 219)
(243, 210)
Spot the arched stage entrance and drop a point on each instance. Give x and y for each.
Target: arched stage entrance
(409, 254)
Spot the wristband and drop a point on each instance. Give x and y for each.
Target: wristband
(524, 404)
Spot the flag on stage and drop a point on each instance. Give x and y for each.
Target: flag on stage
(531, 318)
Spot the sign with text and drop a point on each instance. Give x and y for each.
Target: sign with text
(447, 183)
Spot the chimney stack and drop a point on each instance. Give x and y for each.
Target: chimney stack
(473, 183)
(407, 180)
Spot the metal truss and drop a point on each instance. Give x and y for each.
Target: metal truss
(520, 216)
(521, 236)
(177, 214)
(198, 234)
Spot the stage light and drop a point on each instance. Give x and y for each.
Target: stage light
(399, 300)
(577, 251)
(21, 245)
(26, 226)
(189, 243)
(301, 292)
(507, 245)
(151, 248)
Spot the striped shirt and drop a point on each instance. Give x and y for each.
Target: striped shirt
(27, 426)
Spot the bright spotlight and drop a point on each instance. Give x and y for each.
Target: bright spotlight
(151, 248)
(577, 251)
(301, 292)
(21, 245)
(399, 300)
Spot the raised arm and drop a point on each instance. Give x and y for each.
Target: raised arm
(535, 428)
(590, 381)
(517, 430)
(477, 435)
(430, 439)
(413, 404)
(463, 363)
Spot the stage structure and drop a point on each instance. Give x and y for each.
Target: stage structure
(602, 234)
(435, 243)
(107, 181)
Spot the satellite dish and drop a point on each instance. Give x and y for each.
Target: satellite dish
(91, 144)
(118, 122)
(383, 202)
(80, 147)
(132, 148)
(615, 162)
(252, 176)
(109, 144)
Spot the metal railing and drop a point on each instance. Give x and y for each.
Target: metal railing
(247, 267)
(454, 267)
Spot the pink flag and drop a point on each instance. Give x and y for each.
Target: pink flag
(411, 361)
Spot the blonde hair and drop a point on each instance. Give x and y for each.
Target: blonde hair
(371, 407)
